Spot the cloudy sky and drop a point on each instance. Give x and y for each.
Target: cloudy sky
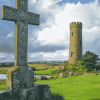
(50, 40)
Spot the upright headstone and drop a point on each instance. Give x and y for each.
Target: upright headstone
(41, 77)
(71, 73)
(61, 74)
(95, 70)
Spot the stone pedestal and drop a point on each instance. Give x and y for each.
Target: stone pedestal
(18, 78)
(20, 86)
(37, 92)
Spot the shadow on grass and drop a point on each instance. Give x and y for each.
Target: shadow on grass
(57, 97)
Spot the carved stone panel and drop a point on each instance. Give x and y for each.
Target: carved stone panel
(33, 18)
(8, 13)
(21, 78)
(22, 43)
(22, 4)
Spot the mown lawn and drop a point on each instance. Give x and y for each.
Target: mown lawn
(75, 88)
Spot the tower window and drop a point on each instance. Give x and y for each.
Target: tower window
(72, 54)
(72, 34)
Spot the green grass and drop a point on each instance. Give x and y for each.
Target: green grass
(3, 86)
(75, 88)
(70, 88)
(44, 72)
(3, 71)
(2, 81)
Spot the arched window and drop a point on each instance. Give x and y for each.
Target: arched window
(72, 54)
(72, 34)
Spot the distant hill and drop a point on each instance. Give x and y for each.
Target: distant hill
(52, 61)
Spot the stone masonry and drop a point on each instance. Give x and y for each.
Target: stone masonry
(75, 43)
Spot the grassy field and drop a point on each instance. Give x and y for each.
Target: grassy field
(44, 66)
(74, 88)
(2, 84)
(36, 66)
(44, 72)
(40, 66)
(82, 87)
(4, 69)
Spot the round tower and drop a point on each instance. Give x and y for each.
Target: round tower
(75, 43)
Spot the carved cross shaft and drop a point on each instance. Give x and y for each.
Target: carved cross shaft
(22, 18)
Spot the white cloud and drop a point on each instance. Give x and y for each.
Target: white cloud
(6, 0)
(9, 35)
(54, 27)
(48, 55)
(6, 57)
(90, 35)
(47, 3)
(34, 1)
(58, 55)
(52, 36)
(2, 55)
(56, 31)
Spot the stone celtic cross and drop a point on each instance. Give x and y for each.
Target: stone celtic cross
(20, 76)
(22, 18)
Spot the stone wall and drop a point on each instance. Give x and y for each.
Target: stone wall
(75, 43)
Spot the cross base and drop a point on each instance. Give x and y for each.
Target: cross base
(18, 78)
(37, 92)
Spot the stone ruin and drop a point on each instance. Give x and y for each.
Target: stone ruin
(20, 78)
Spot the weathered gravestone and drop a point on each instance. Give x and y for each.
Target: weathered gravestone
(20, 78)
(71, 73)
(41, 77)
(61, 74)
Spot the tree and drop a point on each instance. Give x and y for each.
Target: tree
(66, 63)
(89, 60)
